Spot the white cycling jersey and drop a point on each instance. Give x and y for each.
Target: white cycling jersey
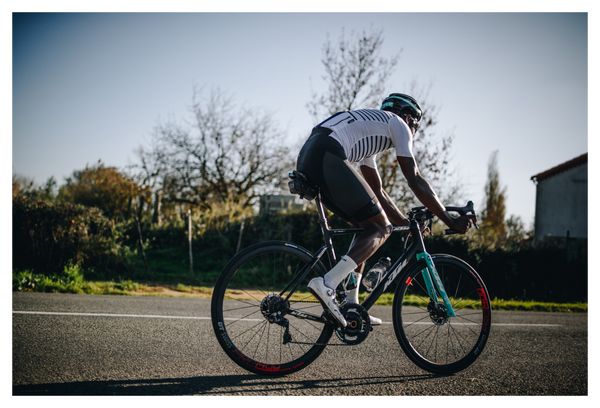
(364, 133)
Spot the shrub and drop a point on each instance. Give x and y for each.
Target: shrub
(49, 236)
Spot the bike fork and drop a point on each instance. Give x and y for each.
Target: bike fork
(431, 284)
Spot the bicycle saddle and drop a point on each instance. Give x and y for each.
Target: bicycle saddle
(300, 185)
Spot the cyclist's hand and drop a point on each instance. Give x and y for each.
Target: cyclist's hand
(462, 223)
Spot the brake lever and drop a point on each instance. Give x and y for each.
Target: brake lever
(470, 209)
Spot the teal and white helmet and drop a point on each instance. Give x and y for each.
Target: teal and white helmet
(402, 104)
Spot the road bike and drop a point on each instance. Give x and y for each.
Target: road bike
(268, 322)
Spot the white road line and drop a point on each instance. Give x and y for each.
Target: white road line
(149, 316)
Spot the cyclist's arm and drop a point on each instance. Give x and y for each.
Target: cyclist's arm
(423, 189)
(372, 177)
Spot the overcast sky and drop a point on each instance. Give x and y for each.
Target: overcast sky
(92, 86)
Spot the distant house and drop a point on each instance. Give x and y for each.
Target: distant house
(561, 200)
(277, 203)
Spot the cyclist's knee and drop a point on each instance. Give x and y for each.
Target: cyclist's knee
(379, 232)
(384, 231)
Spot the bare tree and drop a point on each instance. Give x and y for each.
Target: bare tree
(357, 74)
(223, 154)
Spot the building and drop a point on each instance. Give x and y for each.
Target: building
(277, 203)
(561, 200)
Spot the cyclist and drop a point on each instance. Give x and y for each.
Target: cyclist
(357, 136)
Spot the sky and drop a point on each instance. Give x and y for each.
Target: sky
(93, 86)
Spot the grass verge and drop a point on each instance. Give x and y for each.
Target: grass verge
(71, 281)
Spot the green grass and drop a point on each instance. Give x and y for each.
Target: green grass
(72, 281)
(497, 304)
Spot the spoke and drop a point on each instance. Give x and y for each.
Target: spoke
(458, 338)
(465, 325)
(464, 299)
(410, 313)
(426, 300)
(247, 293)
(424, 338)
(470, 314)
(304, 335)
(458, 284)
(423, 331)
(242, 318)
(254, 335)
(436, 344)
(416, 321)
(259, 339)
(472, 321)
(448, 343)
(434, 337)
(421, 286)
(309, 322)
(239, 308)
(245, 302)
(457, 353)
(280, 342)
(267, 352)
(247, 330)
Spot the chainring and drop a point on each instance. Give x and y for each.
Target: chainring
(359, 324)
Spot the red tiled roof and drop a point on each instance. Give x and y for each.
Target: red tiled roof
(577, 161)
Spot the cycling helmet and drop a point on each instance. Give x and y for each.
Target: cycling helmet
(401, 104)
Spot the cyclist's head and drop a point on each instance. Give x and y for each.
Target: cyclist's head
(404, 106)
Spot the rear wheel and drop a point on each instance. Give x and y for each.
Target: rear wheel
(429, 337)
(250, 313)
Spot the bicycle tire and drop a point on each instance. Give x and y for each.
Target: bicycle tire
(476, 327)
(240, 263)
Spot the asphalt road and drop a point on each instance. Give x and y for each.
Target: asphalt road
(98, 345)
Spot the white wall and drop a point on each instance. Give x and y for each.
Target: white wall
(561, 204)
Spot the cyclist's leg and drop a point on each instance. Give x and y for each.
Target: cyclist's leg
(347, 194)
(377, 229)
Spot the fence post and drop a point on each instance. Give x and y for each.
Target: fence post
(189, 216)
(141, 242)
(239, 242)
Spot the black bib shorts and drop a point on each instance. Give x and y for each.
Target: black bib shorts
(343, 190)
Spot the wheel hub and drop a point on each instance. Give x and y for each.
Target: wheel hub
(437, 313)
(273, 307)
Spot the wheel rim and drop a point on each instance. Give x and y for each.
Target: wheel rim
(248, 308)
(430, 334)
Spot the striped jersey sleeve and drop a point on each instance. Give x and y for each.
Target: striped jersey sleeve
(402, 136)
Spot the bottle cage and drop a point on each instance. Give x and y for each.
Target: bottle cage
(300, 185)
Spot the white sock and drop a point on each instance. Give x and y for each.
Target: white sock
(352, 295)
(339, 272)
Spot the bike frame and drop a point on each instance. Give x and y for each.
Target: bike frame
(415, 253)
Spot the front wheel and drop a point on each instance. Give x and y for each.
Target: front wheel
(433, 340)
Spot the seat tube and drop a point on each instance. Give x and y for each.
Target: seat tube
(325, 230)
